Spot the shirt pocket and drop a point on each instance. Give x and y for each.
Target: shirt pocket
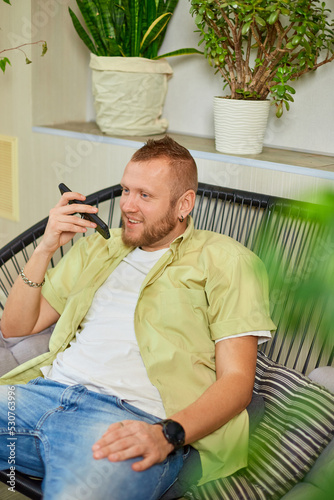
(184, 319)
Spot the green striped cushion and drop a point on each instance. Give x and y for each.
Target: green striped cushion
(297, 425)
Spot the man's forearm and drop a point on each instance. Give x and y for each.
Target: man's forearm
(22, 307)
(226, 398)
(26, 311)
(222, 401)
(229, 395)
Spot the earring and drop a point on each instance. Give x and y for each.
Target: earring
(181, 219)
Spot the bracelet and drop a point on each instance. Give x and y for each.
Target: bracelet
(30, 283)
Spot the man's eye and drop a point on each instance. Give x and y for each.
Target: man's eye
(144, 195)
(125, 191)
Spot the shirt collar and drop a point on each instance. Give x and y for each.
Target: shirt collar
(178, 244)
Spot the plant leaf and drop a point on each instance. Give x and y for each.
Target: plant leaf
(260, 21)
(179, 52)
(44, 49)
(246, 27)
(106, 19)
(154, 30)
(82, 33)
(92, 12)
(162, 8)
(3, 62)
(135, 27)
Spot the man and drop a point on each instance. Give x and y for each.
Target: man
(160, 321)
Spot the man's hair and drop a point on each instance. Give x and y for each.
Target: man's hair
(182, 165)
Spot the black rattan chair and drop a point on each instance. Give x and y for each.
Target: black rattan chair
(261, 223)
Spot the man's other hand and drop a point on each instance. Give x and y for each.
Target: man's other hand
(130, 439)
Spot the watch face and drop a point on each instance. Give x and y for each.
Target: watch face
(174, 433)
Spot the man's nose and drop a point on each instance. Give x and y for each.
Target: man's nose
(129, 203)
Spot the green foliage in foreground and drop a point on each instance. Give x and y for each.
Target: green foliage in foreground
(306, 281)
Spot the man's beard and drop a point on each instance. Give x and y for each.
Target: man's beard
(152, 234)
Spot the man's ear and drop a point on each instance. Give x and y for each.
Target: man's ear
(187, 202)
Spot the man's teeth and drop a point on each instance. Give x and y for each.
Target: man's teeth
(134, 221)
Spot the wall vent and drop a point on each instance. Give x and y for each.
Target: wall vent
(9, 190)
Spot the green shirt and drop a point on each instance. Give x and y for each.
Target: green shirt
(207, 286)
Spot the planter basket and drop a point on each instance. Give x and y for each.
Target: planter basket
(240, 125)
(129, 94)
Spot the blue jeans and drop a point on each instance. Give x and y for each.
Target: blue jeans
(55, 427)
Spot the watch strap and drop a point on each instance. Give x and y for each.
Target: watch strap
(173, 432)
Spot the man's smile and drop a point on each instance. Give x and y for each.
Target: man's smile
(130, 221)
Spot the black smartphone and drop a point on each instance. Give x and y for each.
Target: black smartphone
(101, 226)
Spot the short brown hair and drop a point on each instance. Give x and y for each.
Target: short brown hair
(182, 164)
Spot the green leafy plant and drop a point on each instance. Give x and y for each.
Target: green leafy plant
(128, 28)
(4, 61)
(258, 46)
(306, 282)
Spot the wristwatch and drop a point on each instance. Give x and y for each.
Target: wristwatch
(173, 432)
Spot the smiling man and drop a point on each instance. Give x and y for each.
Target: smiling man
(158, 194)
(154, 349)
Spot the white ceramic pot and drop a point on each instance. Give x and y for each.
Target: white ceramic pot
(129, 94)
(240, 125)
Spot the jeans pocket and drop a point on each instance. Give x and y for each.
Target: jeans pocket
(137, 413)
(35, 381)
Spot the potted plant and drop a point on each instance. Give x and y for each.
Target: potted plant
(259, 47)
(129, 77)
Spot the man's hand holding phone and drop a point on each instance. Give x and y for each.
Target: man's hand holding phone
(36, 313)
(101, 226)
(63, 222)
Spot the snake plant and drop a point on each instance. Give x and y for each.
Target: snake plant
(128, 28)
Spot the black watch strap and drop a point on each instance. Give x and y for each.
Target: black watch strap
(173, 432)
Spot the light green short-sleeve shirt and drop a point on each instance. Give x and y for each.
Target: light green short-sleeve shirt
(206, 287)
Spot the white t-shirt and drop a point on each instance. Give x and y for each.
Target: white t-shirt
(105, 356)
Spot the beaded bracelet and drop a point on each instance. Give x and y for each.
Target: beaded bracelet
(30, 283)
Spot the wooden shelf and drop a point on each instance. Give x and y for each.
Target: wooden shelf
(271, 158)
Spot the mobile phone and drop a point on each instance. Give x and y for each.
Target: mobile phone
(101, 226)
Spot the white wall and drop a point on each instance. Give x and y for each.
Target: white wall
(308, 126)
(16, 107)
(55, 88)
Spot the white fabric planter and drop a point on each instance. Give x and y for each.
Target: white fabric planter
(240, 125)
(129, 94)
